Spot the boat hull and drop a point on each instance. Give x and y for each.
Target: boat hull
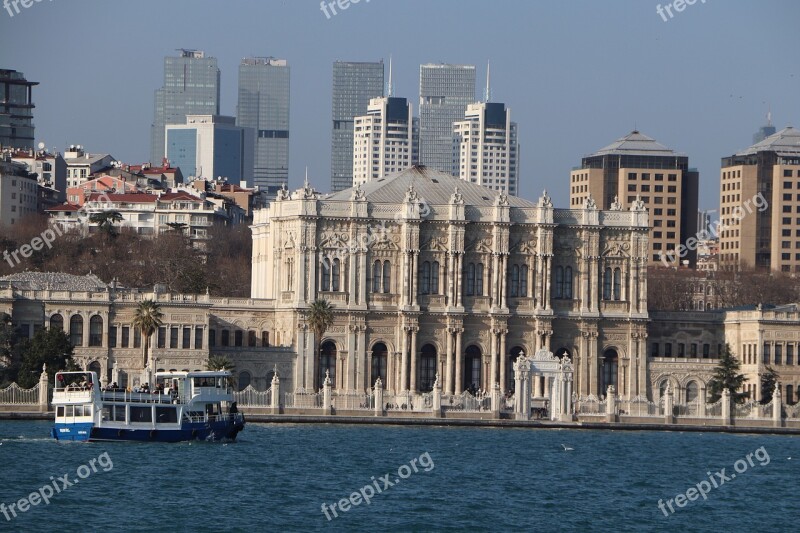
(211, 431)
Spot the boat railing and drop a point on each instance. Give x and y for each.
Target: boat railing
(212, 418)
(73, 394)
(141, 397)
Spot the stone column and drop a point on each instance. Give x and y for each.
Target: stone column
(777, 406)
(437, 398)
(539, 290)
(496, 401)
(593, 385)
(547, 278)
(413, 385)
(300, 361)
(503, 361)
(378, 396)
(493, 351)
(537, 385)
(414, 276)
(404, 362)
(352, 289)
(44, 386)
(450, 299)
(276, 393)
(459, 279)
(326, 395)
(494, 292)
(406, 277)
(361, 375)
(362, 278)
(611, 404)
(726, 407)
(458, 362)
(312, 354)
(504, 280)
(448, 375)
(669, 402)
(547, 386)
(350, 378)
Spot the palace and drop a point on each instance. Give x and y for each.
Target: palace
(429, 276)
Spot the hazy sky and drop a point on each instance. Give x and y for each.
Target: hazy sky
(577, 75)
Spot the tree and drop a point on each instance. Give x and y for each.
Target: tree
(727, 376)
(48, 346)
(219, 362)
(147, 318)
(105, 220)
(10, 358)
(178, 227)
(320, 318)
(768, 381)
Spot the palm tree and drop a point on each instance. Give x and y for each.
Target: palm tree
(219, 362)
(147, 319)
(320, 318)
(105, 220)
(178, 227)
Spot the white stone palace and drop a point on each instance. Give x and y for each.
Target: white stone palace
(427, 275)
(430, 274)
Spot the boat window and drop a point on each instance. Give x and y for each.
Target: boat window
(119, 413)
(141, 414)
(70, 410)
(60, 410)
(107, 412)
(166, 415)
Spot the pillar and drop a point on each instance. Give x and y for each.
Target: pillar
(503, 361)
(361, 376)
(459, 279)
(777, 406)
(326, 395)
(404, 362)
(350, 378)
(493, 351)
(44, 386)
(378, 396)
(726, 407)
(458, 362)
(611, 404)
(276, 394)
(448, 373)
(537, 386)
(414, 280)
(413, 384)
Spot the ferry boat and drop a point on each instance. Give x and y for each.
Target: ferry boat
(181, 406)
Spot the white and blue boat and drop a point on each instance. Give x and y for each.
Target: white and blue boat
(181, 406)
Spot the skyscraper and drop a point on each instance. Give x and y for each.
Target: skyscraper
(385, 140)
(485, 146)
(445, 91)
(16, 110)
(354, 85)
(637, 167)
(191, 87)
(264, 107)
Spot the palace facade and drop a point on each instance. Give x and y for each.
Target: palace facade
(427, 275)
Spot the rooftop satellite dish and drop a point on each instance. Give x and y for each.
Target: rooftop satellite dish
(41, 146)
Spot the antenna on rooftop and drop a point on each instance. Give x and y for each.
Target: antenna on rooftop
(769, 115)
(487, 94)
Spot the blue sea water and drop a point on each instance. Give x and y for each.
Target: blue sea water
(276, 478)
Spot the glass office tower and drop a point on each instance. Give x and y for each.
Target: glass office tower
(445, 91)
(16, 110)
(354, 84)
(264, 107)
(191, 87)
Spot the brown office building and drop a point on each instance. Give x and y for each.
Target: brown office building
(638, 166)
(760, 205)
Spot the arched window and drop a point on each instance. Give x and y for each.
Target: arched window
(514, 288)
(95, 367)
(265, 338)
(238, 338)
(251, 339)
(76, 330)
(226, 337)
(568, 283)
(662, 389)
(610, 370)
(425, 278)
(692, 391)
(558, 283)
(617, 284)
(244, 380)
(789, 395)
(435, 277)
(337, 267)
(479, 279)
(57, 322)
(96, 331)
(470, 279)
(327, 362)
(376, 276)
(523, 281)
(607, 275)
(379, 361)
(472, 369)
(427, 374)
(325, 284)
(387, 272)
(563, 352)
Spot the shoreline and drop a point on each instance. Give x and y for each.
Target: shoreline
(469, 422)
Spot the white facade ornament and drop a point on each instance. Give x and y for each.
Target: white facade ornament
(615, 205)
(283, 194)
(589, 203)
(501, 199)
(638, 204)
(457, 198)
(358, 193)
(411, 195)
(545, 200)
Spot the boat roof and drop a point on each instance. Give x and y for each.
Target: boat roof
(196, 374)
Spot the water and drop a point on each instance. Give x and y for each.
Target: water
(276, 477)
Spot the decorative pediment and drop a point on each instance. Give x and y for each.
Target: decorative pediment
(334, 240)
(479, 245)
(288, 243)
(616, 249)
(433, 242)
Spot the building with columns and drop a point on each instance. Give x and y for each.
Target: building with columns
(428, 274)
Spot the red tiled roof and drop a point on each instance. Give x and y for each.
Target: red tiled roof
(65, 208)
(172, 196)
(131, 197)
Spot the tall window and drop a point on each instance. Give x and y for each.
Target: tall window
(251, 339)
(198, 338)
(514, 288)
(96, 331)
(238, 338)
(607, 282)
(265, 338)
(387, 273)
(379, 360)
(376, 276)
(523, 281)
(610, 370)
(336, 275)
(425, 278)
(470, 279)
(173, 337)
(567, 283)
(472, 369)
(435, 277)
(427, 373)
(76, 330)
(226, 337)
(326, 276)
(187, 338)
(57, 322)
(479, 279)
(327, 362)
(617, 284)
(558, 282)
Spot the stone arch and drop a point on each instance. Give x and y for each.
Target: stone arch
(378, 362)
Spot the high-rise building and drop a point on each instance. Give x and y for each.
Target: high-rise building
(385, 140)
(264, 107)
(760, 205)
(16, 110)
(765, 130)
(445, 91)
(209, 147)
(354, 85)
(191, 87)
(485, 147)
(637, 168)
(18, 192)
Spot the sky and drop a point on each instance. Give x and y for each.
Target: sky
(577, 75)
